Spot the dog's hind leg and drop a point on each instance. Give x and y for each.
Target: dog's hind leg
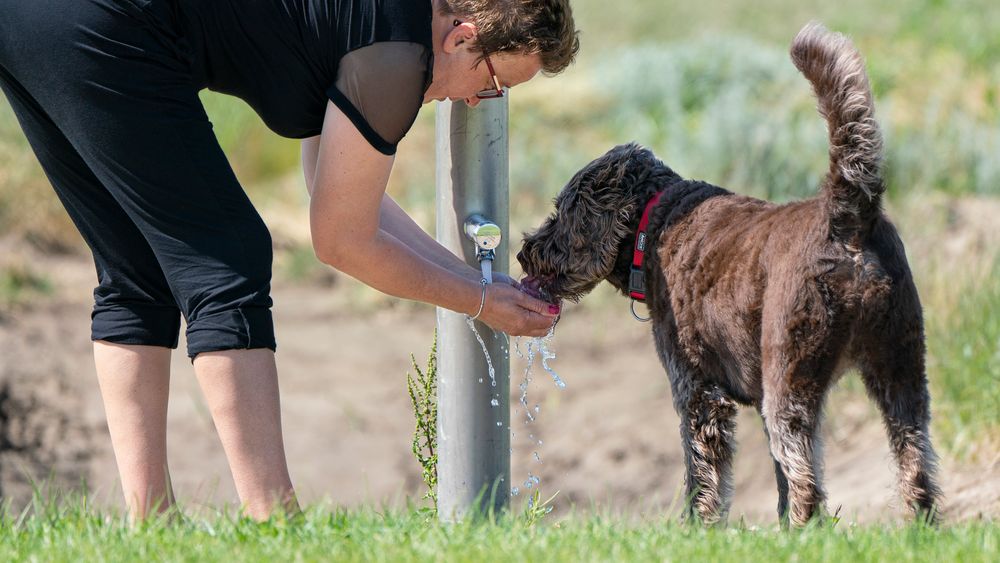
(793, 426)
(779, 477)
(708, 424)
(892, 367)
(802, 338)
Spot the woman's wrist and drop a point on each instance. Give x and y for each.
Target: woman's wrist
(482, 299)
(465, 295)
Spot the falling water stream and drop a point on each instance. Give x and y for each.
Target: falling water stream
(535, 348)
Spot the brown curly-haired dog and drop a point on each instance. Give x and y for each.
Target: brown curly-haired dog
(760, 304)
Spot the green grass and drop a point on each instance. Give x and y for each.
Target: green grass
(967, 28)
(73, 532)
(964, 365)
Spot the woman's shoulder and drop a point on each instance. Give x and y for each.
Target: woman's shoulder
(380, 87)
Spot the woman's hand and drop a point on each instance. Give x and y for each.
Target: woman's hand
(518, 314)
(504, 279)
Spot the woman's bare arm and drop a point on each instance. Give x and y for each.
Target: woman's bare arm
(397, 222)
(346, 222)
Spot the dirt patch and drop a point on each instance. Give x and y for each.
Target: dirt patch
(47, 436)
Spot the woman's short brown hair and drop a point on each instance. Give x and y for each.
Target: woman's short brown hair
(542, 27)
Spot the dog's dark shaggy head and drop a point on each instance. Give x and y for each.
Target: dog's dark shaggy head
(595, 214)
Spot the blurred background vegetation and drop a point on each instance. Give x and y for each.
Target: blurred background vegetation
(710, 88)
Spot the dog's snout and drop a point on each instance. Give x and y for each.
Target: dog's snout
(524, 257)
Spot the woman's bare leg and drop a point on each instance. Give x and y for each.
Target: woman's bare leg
(241, 387)
(135, 383)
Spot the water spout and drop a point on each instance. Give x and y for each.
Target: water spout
(487, 237)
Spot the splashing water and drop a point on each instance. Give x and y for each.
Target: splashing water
(540, 346)
(548, 354)
(527, 378)
(495, 401)
(532, 481)
(535, 347)
(489, 360)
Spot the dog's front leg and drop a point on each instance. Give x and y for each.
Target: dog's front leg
(708, 424)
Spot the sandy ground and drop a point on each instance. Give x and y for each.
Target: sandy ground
(610, 437)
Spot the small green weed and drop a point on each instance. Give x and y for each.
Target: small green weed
(423, 397)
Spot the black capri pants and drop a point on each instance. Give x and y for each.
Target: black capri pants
(104, 94)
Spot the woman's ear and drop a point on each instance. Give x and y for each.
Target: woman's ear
(464, 33)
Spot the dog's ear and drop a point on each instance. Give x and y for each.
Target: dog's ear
(593, 198)
(602, 207)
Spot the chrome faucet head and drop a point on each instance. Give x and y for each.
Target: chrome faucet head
(486, 234)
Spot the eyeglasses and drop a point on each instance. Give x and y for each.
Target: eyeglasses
(489, 93)
(496, 91)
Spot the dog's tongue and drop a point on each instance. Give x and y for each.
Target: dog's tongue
(530, 285)
(533, 287)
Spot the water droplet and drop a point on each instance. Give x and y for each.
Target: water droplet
(514, 491)
(499, 423)
(494, 402)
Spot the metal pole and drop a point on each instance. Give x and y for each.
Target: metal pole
(473, 435)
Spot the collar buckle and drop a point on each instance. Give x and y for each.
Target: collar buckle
(637, 283)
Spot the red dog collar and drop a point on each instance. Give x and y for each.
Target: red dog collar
(637, 278)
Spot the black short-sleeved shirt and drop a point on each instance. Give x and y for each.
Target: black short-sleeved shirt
(287, 58)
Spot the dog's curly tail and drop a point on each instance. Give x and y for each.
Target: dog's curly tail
(836, 70)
